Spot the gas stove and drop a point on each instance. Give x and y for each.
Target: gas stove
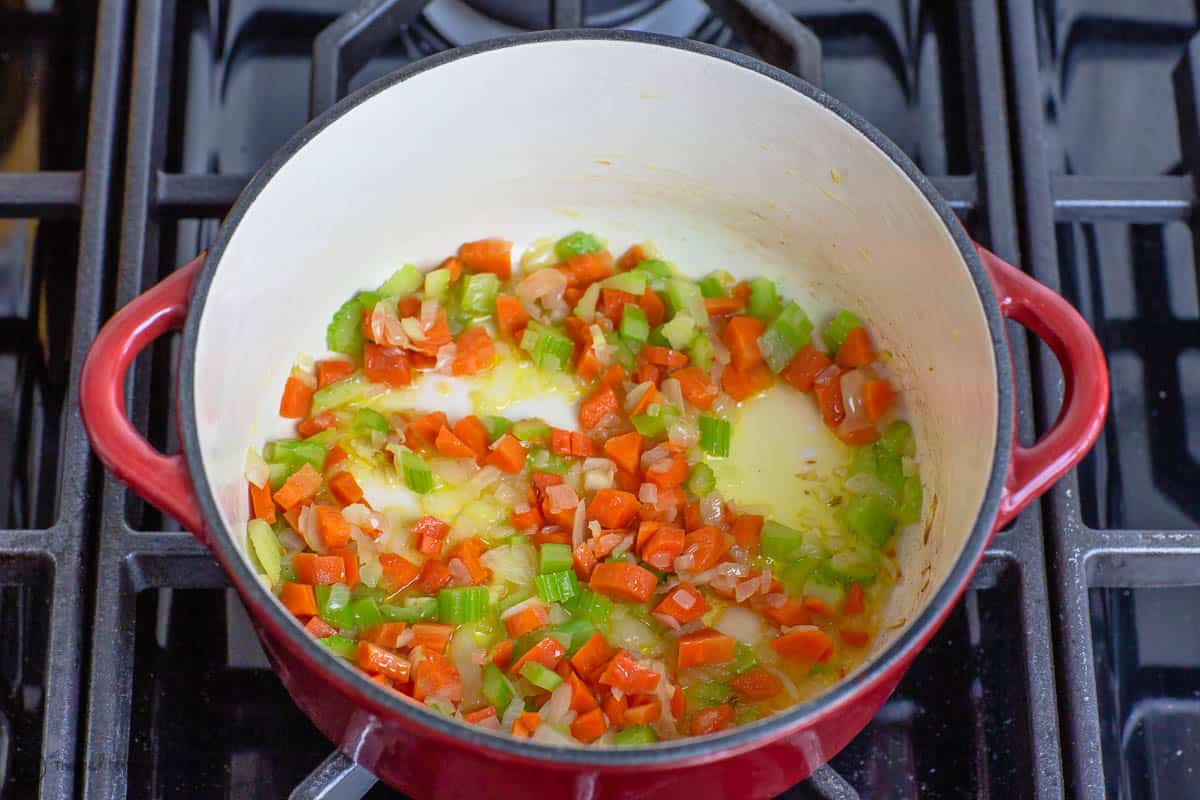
(1066, 135)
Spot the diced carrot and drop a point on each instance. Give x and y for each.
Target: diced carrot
(615, 709)
(757, 683)
(480, 714)
(530, 720)
(723, 306)
(548, 652)
(587, 366)
(525, 520)
(296, 399)
(648, 373)
(582, 699)
(429, 533)
(527, 619)
(741, 384)
(436, 675)
(556, 536)
(454, 265)
(587, 268)
(741, 337)
(468, 552)
(450, 445)
(599, 405)
(828, 390)
(261, 504)
(857, 435)
(712, 719)
(474, 433)
(627, 481)
(433, 636)
(408, 307)
(398, 571)
(790, 612)
(854, 602)
(663, 357)
(613, 508)
(664, 545)
(316, 423)
(691, 516)
(856, 349)
(385, 634)
(333, 370)
(803, 370)
(877, 398)
(655, 308)
(708, 545)
(364, 324)
(854, 637)
(474, 352)
(746, 530)
(487, 255)
(590, 659)
(589, 727)
(292, 517)
(648, 398)
(613, 375)
(584, 560)
(300, 487)
(299, 599)
(684, 603)
(623, 673)
(373, 659)
(643, 714)
(319, 628)
(612, 303)
(542, 480)
(696, 388)
(669, 472)
(434, 576)
(511, 317)
(582, 445)
(502, 653)
(678, 703)
(345, 488)
(436, 335)
(705, 647)
(418, 360)
(818, 606)
(623, 581)
(336, 456)
(635, 255)
(607, 542)
(560, 441)
(805, 646)
(332, 526)
(626, 450)
(425, 428)
(507, 454)
(386, 365)
(314, 569)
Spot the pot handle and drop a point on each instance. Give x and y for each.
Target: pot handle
(161, 479)
(1085, 384)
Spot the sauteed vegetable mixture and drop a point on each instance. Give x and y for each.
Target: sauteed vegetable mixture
(596, 582)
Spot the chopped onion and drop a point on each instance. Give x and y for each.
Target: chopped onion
(429, 310)
(459, 572)
(683, 434)
(548, 734)
(554, 709)
(532, 602)
(684, 562)
(746, 589)
(489, 724)
(624, 545)
(712, 510)
(609, 541)
(786, 681)
(514, 711)
(635, 396)
(405, 637)
(852, 394)
(485, 478)
(386, 328)
(723, 583)
(541, 284)
(692, 627)
(673, 392)
(561, 497)
(412, 329)
(594, 527)
(739, 554)
(742, 624)
(720, 351)
(441, 703)
(765, 580)
(685, 599)
(617, 694)
(662, 465)
(308, 529)
(479, 657)
(668, 620)
(256, 470)
(579, 525)
(654, 455)
(732, 569)
(445, 358)
(648, 493)
(291, 541)
(775, 599)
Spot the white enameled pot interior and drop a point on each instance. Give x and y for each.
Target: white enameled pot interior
(718, 165)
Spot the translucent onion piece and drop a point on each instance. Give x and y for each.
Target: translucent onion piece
(256, 470)
(648, 493)
(579, 525)
(712, 510)
(561, 497)
(654, 455)
(541, 284)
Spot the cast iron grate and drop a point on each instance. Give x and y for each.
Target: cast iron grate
(931, 75)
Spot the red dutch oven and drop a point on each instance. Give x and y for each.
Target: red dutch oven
(724, 163)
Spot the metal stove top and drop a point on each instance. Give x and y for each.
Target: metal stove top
(1065, 134)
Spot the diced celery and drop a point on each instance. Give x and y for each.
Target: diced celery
(787, 333)
(417, 475)
(836, 330)
(710, 286)
(366, 613)
(638, 734)
(743, 658)
(779, 541)
(496, 688)
(576, 244)
(796, 573)
(890, 470)
(344, 333)
(296, 453)
(825, 588)
(462, 604)
(547, 347)
(580, 629)
(496, 427)
(368, 300)
(865, 460)
(324, 439)
(744, 715)
(653, 266)
(633, 282)
(479, 292)
(542, 460)
(341, 646)
(591, 606)
(279, 473)
(679, 331)
(554, 558)
(700, 352)
(556, 587)
(265, 545)
(622, 353)
(338, 394)
(707, 693)
(333, 605)
(415, 609)
(540, 677)
(763, 301)
(531, 430)
(858, 564)
(658, 338)
(403, 282)
(634, 326)
(368, 419)
(898, 439)
(684, 297)
(437, 284)
(909, 510)
(870, 519)
(714, 435)
(702, 480)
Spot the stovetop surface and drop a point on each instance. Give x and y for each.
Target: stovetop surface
(1063, 133)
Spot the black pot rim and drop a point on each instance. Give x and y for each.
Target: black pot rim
(666, 753)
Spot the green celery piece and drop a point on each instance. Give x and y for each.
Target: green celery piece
(898, 439)
(462, 604)
(632, 282)
(580, 629)
(368, 300)
(710, 286)
(531, 430)
(437, 284)
(763, 301)
(866, 459)
(890, 470)
(870, 519)
(653, 266)
(622, 353)
(744, 715)
(779, 541)
(648, 425)
(415, 609)
(376, 593)
(684, 297)
(340, 393)
(587, 604)
(287, 572)
(341, 646)
(555, 587)
(679, 331)
(702, 480)
(496, 427)
(368, 419)
(576, 244)
(403, 282)
(796, 573)
(496, 688)
(540, 677)
(366, 613)
(911, 498)
(707, 693)
(826, 588)
(858, 564)
(547, 347)
(542, 460)
(634, 326)
(344, 333)
(324, 439)
(700, 352)
(293, 452)
(836, 330)
(783, 338)
(279, 473)
(417, 475)
(554, 558)
(265, 546)
(714, 435)
(638, 734)
(743, 658)
(333, 605)
(479, 294)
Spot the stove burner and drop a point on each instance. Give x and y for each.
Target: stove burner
(531, 14)
(467, 21)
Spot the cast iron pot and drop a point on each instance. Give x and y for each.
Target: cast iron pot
(721, 161)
